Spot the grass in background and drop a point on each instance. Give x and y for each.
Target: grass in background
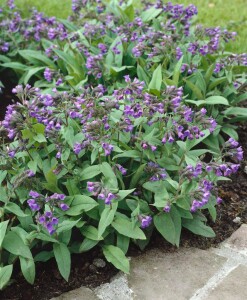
(58, 8)
(230, 14)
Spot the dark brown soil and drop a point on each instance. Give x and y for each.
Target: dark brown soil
(49, 282)
(6, 92)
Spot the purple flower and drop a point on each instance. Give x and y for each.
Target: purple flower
(30, 173)
(167, 208)
(59, 81)
(77, 148)
(121, 169)
(146, 221)
(33, 205)
(48, 74)
(58, 196)
(34, 194)
(109, 198)
(218, 200)
(64, 206)
(107, 148)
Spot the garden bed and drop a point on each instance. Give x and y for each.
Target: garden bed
(49, 282)
(123, 131)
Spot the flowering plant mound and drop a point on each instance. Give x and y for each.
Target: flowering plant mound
(105, 147)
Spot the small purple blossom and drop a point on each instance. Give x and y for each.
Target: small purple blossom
(145, 221)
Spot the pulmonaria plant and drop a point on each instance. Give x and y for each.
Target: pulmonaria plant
(47, 219)
(129, 131)
(119, 136)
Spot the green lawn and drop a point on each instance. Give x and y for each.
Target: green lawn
(230, 14)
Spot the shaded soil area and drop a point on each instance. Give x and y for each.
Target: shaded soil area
(85, 271)
(6, 96)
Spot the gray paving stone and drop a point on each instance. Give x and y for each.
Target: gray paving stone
(168, 276)
(82, 293)
(117, 289)
(238, 240)
(233, 287)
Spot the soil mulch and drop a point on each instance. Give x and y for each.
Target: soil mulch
(49, 282)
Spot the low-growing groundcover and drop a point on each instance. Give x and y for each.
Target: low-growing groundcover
(123, 128)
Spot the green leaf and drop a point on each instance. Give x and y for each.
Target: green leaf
(231, 132)
(194, 89)
(66, 225)
(129, 154)
(30, 73)
(116, 256)
(142, 76)
(71, 185)
(80, 204)
(198, 227)
(213, 212)
(120, 69)
(123, 242)
(130, 12)
(15, 245)
(196, 102)
(40, 138)
(209, 73)
(137, 176)
(70, 63)
(45, 237)
(87, 244)
(216, 100)
(90, 172)
(28, 269)
(156, 81)
(15, 209)
(5, 274)
(166, 226)
(177, 71)
(44, 256)
(122, 194)
(150, 14)
(37, 55)
(63, 259)
(3, 228)
(2, 176)
(192, 143)
(3, 194)
(110, 176)
(91, 233)
(15, 66)
(216, 82)
(118, 58)
(236, 111)
(127, 228)
(106, 218)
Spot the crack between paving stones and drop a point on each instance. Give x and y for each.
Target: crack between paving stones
(214, 281)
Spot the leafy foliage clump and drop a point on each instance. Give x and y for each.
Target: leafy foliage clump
(123, 126)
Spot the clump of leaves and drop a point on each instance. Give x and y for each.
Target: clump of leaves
(114, 141)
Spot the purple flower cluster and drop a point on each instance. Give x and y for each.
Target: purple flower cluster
(155, 172)
(48, 74)
(78, 5)
(37, 202)
(234, 150)
(201, 195)
(36, 27)
(13, 120)
(97, 189)
(48, 221)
